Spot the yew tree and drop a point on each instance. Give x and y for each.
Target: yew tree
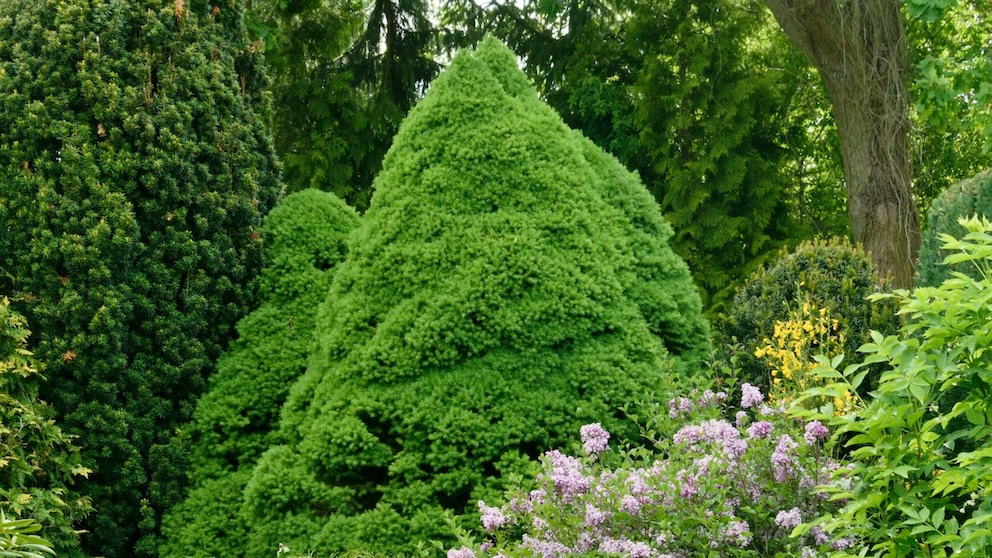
(135, 167)
(509, 283)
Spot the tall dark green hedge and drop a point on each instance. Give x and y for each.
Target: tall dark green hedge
(971, 196)
(509, 283)
(237, 417)
(135, 166)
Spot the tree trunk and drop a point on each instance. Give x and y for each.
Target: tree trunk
(859, 49)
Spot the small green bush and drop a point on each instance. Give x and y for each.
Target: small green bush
(831, 274)
(236, 418)
(39, 463)
(508, 284)
(972, 196)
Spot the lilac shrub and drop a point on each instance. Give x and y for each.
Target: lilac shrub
(713, 488)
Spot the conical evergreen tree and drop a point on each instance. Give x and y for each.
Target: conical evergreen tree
(135, 166)
(508, 284)
(237, 417)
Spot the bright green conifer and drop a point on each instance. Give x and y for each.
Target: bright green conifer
(509, 283)
(237, 416)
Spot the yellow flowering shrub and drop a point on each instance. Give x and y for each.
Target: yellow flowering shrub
(789, 354)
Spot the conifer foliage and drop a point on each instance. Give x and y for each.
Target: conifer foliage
(237, 416)
(509, 283)
(134, 170)
(964, 199)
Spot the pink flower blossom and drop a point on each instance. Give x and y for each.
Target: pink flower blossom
(750, 396)
(567, 476)
(492, 518)
(738, 533)
(815, 431)
(462, 552)
(782, 458)
(788, 519)
(595, 439)
(760, 430)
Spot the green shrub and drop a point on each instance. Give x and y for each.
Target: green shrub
(236, 418)
(922, 446)
(972, 196)
(507, 284)
(135, 167)
(834, 275)
(39, 464)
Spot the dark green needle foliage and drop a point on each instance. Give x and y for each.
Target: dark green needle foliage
(135, 167)
(237, 417)
(971, 196)
(509, 283)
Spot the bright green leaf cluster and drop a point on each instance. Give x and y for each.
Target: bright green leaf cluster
(17, 539)
(966, 198)
(922, 447)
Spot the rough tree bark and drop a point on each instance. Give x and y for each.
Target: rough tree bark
(859, 49)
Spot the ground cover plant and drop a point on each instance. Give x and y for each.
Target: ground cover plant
(508, 283)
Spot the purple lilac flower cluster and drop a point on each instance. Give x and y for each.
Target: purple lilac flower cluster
(696, 493)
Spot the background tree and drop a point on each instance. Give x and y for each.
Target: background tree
(859, 49)
(741, 140)
(235, 420)
(134, 170)
(951, 85)
(711, 114)
(344, 76)
(508, 283)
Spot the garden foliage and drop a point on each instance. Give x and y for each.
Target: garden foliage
(18, 539)
(922, 446)
(708, 110)
(966, 198)
(508, 283)
(39, 463)
(135, 167)
(236, 418)
(834, 276)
